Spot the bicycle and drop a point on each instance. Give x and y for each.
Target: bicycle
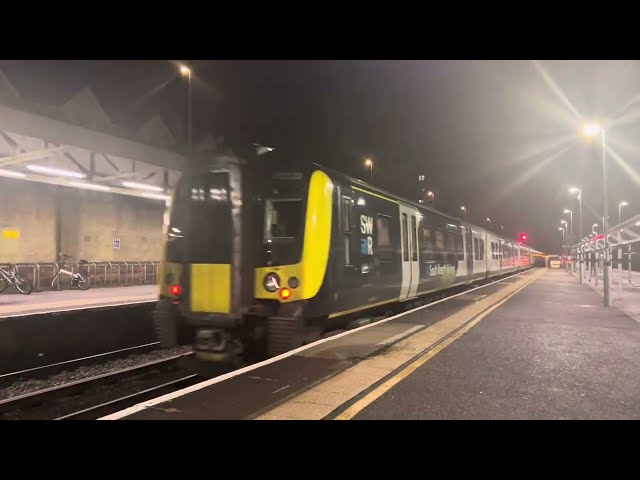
(13, 277)
(83, 282)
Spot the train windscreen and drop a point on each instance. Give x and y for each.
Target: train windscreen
(284, 214)
(200, 223)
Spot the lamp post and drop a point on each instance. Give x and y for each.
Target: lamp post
(620, 205)
(186, 72)
(464, 210)
(592, 130)
(566, 210)
(574, 190)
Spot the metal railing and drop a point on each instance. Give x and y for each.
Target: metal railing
(104, 274)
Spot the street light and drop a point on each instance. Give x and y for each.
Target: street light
(562, 229)
(369, 163)
(579, 192)
(593, 228)
(433, 198)
(620, 205)
(464, 209)
(590, 131)
(186, 72)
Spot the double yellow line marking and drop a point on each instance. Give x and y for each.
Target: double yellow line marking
(371, 397)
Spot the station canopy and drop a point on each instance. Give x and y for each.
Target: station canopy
(76, 145)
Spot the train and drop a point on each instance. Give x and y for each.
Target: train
(258, 257)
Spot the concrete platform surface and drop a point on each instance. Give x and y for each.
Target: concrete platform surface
(551, 352)
(13, 305)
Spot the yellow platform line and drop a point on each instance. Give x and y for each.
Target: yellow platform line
(323, 399)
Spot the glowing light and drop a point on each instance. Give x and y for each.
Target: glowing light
(142, 186)
(55, 171)
(90, 186)
(185, 71)
(285, 293)
(591, 130)
(156, 196)
(11, 173)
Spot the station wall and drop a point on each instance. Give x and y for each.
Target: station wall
(38, 220)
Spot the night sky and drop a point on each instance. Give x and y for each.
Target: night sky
(500, 137)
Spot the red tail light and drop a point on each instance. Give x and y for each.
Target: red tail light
(175, 290)
(285, 293)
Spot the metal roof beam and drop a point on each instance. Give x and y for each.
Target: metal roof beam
(28, 156)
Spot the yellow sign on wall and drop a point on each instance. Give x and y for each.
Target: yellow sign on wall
(10, 234)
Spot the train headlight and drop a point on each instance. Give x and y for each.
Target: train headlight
(271, 282)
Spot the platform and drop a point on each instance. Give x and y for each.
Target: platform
(533, 346)
(14, 305)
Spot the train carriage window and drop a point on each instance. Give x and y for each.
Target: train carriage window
(414, 239)
(451, 242)
(427, 239)
(476, 249)
(481, 249)
(460, 246)
(384, 250)
(405, 239)
(440, 247)
(346, 227)
(493, 250)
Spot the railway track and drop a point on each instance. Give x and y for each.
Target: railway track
(93, 397)
(45, 371)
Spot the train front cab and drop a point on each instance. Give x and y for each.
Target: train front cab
(201, 294)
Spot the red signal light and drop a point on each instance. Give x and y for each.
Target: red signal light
(175, 290)
(523, 237)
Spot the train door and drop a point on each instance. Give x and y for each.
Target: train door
(468, 245)
(409, 252)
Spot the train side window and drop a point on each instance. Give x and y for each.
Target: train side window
(440, 247)
(481, 249)
(451, 242)
(414, 239)
(427, 239)
(460, 246)
(405, 239)
(384, 250)
(346, 227)
(493, 250)
(476, 249)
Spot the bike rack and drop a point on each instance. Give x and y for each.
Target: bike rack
(41, 277)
